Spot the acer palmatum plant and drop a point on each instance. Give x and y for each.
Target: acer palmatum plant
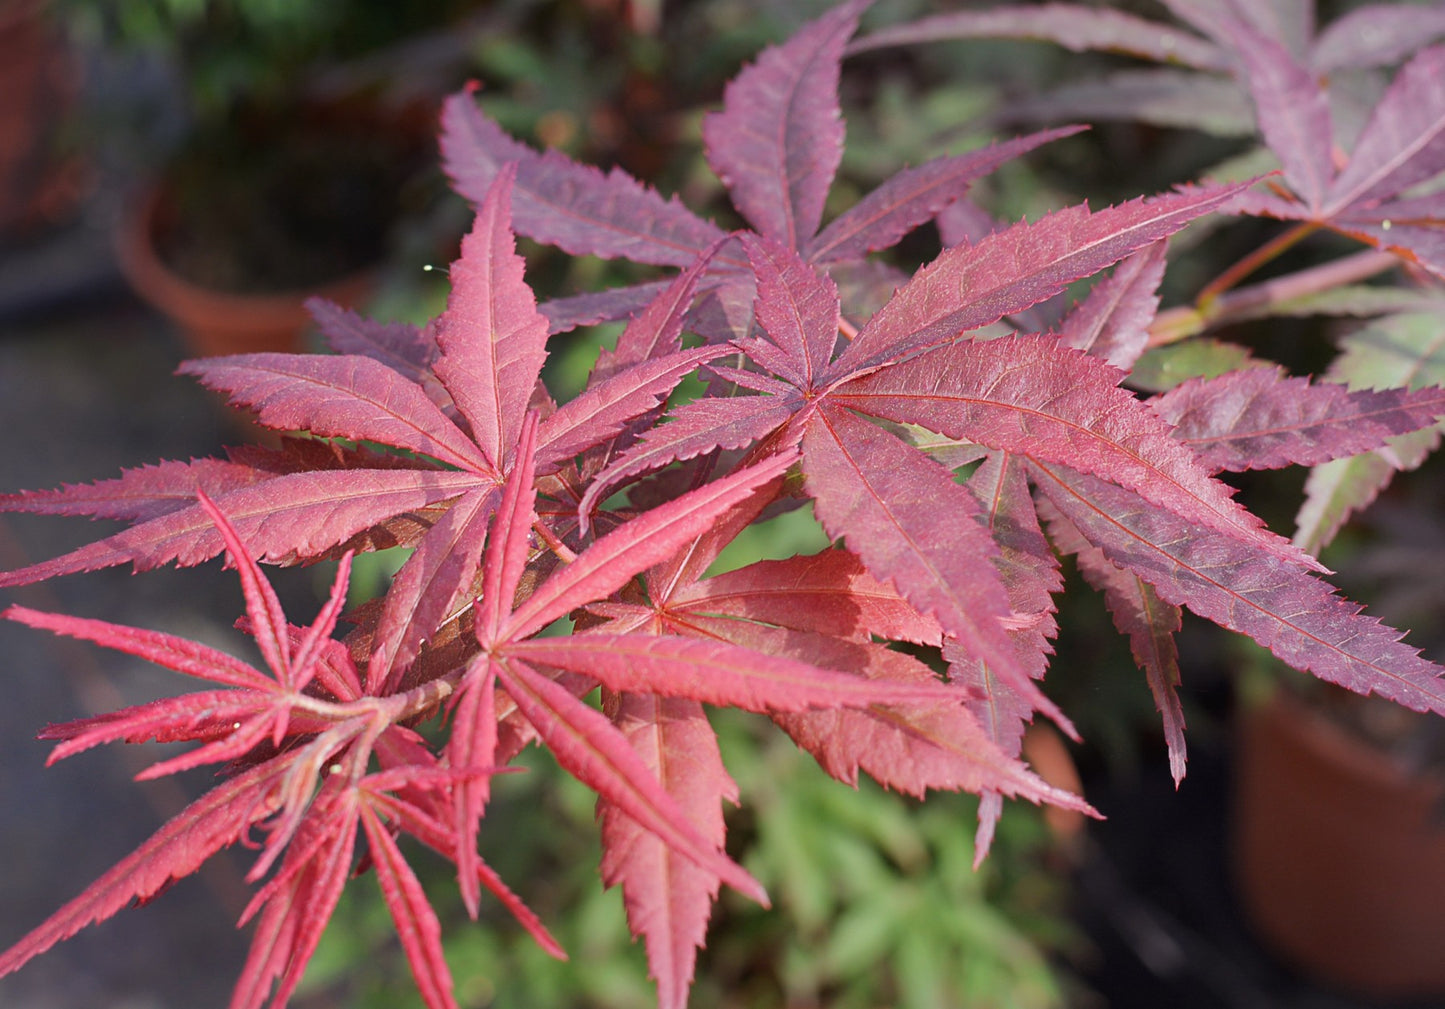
(950, 452)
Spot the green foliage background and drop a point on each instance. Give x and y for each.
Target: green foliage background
(875, 903)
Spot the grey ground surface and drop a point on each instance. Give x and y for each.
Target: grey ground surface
(86, 387)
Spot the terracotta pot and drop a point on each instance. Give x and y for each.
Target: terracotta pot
(38, 81)
(220, 322)
(1340, 853)
(1049, 757)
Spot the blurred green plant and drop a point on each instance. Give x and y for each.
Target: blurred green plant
(880, 903)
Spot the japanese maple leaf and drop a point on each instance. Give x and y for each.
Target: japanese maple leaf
(448, 395)
(302, 514)
(1401, 145)
(1373, 417)
(1149, 565)
(1192, 87)
(1258, 418)
(454, 409)
(1198, 75)
(897, 509)
(1030, 573)
(826, 609)
(1396, 351)
(1272, 53)
(775, 144)
(1285, 608)
(587, 743)
(1251, 418)
(293, 905)
(307, 731)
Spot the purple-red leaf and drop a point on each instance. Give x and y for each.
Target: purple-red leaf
(692, 430)
(341, 397)
(1400, 350)
(1404, 141)
(604, 409)
(263, 608)
(473, 745)
(436, 577)
(300, 900)
(779, 138)
(1155, 96)
(1028, 395)
(910, 523)
(1291, 108)
(798, 309)
(717, 673)
(829, 592)
(680, 572)
(510, 539)
(1029, 568)
(1376, 35)
(311, 652)
(335, 671)
(1003, 715)
(203, 714)
(214, 821)
(406, 349)
(1073, 26)
(656, 330)
(911, 748)
(650, 538)
(913, 196)
(139, 494)
(1030, 572)
(592, 749)
(564, 314)
(416, 923)
(1150, 624)
(1260, 419)
(575, 207)
(1413, 229)
(724, 314)
(180, 654)
(1113, 321)
(1008, 271)
(438, 837)
(283, 519)
(1291, 612)
(668, 898)
(492, 339)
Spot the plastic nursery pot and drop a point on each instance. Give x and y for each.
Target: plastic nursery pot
(1340, 853)
(220, 322)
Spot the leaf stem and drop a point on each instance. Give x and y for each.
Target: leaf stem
(388, 709)
(562, 550)
(1190, 320)
(1270, 250)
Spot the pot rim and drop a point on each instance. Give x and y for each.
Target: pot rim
(192, 303)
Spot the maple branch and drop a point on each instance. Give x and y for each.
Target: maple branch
(1185, 321)
(564, 553)
(1267, 252)
(393, 709)
(359, 754)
